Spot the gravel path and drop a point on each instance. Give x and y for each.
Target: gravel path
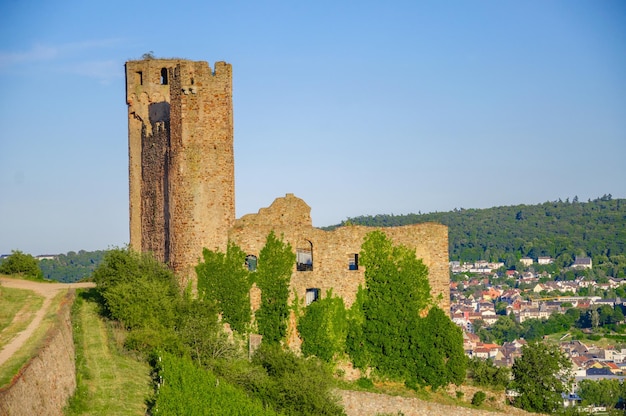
(48, 291)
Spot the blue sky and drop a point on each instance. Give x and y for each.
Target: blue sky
(359, 108)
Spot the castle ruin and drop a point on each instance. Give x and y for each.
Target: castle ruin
(182, 187)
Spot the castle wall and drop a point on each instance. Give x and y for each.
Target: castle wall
(332, 250)
(181, 163)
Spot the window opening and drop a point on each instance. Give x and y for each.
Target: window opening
(312, 295)
(353, 261)
(163, 76)
(140, 77)
(251, 262)
(304, 256)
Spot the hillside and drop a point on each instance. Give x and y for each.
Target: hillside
(558, 229)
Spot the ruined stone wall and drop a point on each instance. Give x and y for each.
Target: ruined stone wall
(45, 383)
(181, 162)
(290, 217)
(148, 97)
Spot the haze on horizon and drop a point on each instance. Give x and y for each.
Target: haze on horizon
(357, 109)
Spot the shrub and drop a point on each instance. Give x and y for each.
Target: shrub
(323, 328)
(294, 385)
(478, 398)
(22, 264)
(138, 290)
(365, 383)
(223, 279)
(273, 274)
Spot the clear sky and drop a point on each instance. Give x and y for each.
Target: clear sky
(359, 108)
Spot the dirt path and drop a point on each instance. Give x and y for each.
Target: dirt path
(48, 291)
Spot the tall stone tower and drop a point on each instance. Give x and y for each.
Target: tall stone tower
(181, 162)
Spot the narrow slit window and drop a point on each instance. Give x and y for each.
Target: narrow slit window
(312, 295)
(140, 77)
(163, 76)
(353, 261)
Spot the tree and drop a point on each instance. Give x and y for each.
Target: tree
(138, 290)
(275, 265)
(600, 393)
(540, 375)
(21, 264)
(397, 292)
(223, 279)
(485, 373)
(323, 327)
(436, 356)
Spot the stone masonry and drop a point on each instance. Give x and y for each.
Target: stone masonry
(181, 163)
(182, 186)
(333, 264)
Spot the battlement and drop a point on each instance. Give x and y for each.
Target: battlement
(181, 162)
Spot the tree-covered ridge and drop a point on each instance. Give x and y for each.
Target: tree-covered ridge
(558, 229)
(71, 267)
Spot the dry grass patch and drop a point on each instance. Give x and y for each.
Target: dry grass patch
(17, 311)
(11, 367)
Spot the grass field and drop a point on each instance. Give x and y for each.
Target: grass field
(108, 381)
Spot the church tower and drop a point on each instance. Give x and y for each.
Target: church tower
(181, 162)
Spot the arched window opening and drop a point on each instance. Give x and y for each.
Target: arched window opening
(312, 295)
(163, 76)
(251, 262)
(304, 256)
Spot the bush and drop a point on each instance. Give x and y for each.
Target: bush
(365, 383)
(138, 290)
(323, 328)
(294, 386)
(21, 264)
(223, 279)
(478, 398)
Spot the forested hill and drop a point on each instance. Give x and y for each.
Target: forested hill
(561, 230)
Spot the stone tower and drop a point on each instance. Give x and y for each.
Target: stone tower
(181, 163)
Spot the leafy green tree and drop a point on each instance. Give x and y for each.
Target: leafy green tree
(324, 327)
(397, 291)
(223, 279)
(436, 356)
(201, 334)
(21, 264)
(540, 375)
(355, 338)
(600, 393)
(505, 329)
(275, 265)
(485, 373)
(137, 289)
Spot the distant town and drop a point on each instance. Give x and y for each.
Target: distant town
(484, 295)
